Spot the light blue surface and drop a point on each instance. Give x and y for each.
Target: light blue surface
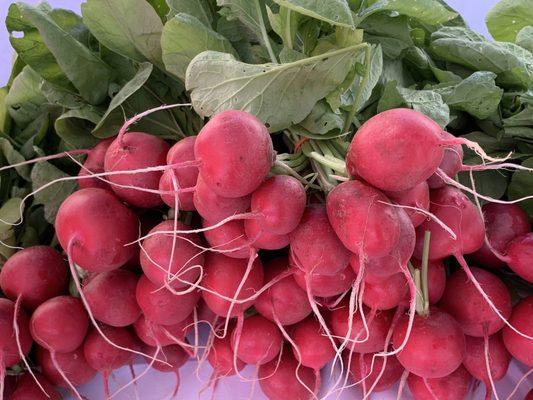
(473, 11)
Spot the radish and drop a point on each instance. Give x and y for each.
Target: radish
(228, 236)
(36, 274)
(280, 201)
(326, 285)
(315, 248)
(503, 223)
(222, 277)
(60, 324)
(284, 302)
(154, 335)
(264, 240)
(163, 307)
(365, 370)
(116, 288)
(258, 341)
(451, 163)
(10, 384)
(27, 389)
(312, 348)
(73, 365)
(436, 279)
(487, 359)
(94, 164)
(286, 379)
(185, 177)
(213, 207)
(235, 153)
(519, 256)
(435, 346)
(171, 357)
(132, 151)
(221, 357)
(362, 220)
(169, 259)
(520, 347)
(84, 230)
(464, 302)
(415, 197)
(384, 293)
(454, 386)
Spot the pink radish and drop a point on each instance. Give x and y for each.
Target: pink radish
(436, 279)
(229, 236)
(235, 153)
(221, 357)
(154, 335)
(258, 342)
(84, 230)
(133, 151)
(172, 358)
(313, 349)
(520, 347)
(264, 240)
(73, 365)
(366, 369)
(185, 177)
(116, 288)
(384, 293)
(415, 197)
(326, 285)
(451, 163)
(95, 164)
(36, 274)
(520, 255)
(27, 389)
(454, 386)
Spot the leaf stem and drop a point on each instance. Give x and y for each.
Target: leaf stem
(364, 80)
(424, 267)
(264, 33)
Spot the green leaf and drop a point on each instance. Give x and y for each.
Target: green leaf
(430, 12)
(508, 17)
(285, 24)
(131, 28)
(512, 63)
(184, 37)
(75, 127)
(51, 197)
(25, 100)
(322, 120)
(5, 118)
(161, 8)
(392, 33)
(14, 157)
(525, 38)
(249, 13)
(9, 215)
(62, 97)
(287, 55)
(521, 186)
(279, 95)
(488, 183)
(197, 8)
(87, 73)
(334, 12)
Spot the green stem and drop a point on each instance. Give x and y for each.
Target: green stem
(264, 33)
(323, 178)
(288, 35)
(329, 162)
(424, 267)
(419, 295)
(364, 80)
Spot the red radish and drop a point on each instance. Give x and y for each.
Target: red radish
(384, 293)
(287, 379)
(154, 335)
(281, 202)
(435, 346)
(163, 307)
(36, 274)
(9, 352)
(221, 357)
(84, 230)
(258, 342)
(368, 374)
(186, 177)
(315, 247)
(454, 386)
(229, 236)
(284, 302)
(520, 347)
(415, 197)
(503, 223)
(168, 259)
(326, 285)
(172, 358)
(10, 384)
(222, 276)
(111, 297)
(363, 221)
(451, 163)
(60, 324)
(520, 256)
(73, 365)
(464, 302)
(436, 279)
(27, 389)
(213, 207)
(314, 348)
(94, 164)
(134, 151)
(262, 239)
(378, 323)
(235, 153)
(487, 359)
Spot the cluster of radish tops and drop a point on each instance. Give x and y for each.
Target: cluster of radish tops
(283, 277)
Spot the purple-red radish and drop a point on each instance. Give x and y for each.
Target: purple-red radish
(520, 347)
(94, 164)
(284, 302)
(415, 197)
(84, 230)
(9, 351)
(503, 223)
(464, 302)
(163, 307)
(258, 341)
(154, 335)
(134, 151)
(314, 349)
(366, 369)
(384, 293)
(315, 248)
(454, 386)
(185, 177)
(168, 359)
(228, 236)
(235, 153)
(169, 259)
(326, 285)
(60, 324)
(264, 240)
(111, 297)
(36, 274)
(436, 279)
(451, 163)
(520, 256)
(27, 389)
(221, 356)
(73, 365)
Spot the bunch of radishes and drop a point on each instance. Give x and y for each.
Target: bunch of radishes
(281, 279)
